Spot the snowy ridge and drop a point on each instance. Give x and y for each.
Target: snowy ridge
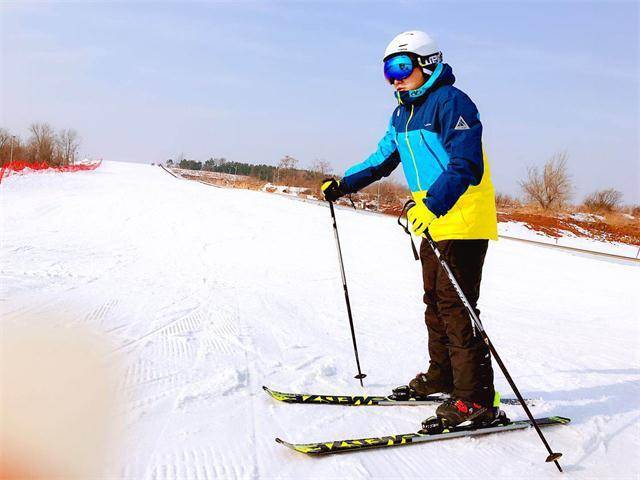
(207, 294)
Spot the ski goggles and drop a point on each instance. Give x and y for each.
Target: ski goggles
(398, 67)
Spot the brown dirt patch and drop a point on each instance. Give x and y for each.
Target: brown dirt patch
(609, 230)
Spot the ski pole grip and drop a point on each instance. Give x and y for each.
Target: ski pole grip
(408, 204)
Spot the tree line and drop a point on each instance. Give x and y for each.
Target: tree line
(44, 144)
(286, 172)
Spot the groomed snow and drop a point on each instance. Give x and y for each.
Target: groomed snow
(207, 294)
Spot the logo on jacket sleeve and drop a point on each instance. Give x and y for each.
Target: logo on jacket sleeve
(461, 125)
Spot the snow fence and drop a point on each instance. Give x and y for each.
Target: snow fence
(21, 166)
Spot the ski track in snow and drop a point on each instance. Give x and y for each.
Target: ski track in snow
(206, 294)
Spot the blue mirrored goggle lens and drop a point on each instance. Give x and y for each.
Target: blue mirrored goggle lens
(398, 67)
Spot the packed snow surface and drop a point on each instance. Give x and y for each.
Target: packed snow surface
(206, 294)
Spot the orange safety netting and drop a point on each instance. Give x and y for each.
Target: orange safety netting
(18, 166)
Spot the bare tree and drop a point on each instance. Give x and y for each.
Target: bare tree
(552, 188)
(11, 148)
(321, 168)
(42, 143)
(287, 163)
(603, 200)
(286, 167)
(68, 144)
(506, 200)
(5, 137)
(5, 146)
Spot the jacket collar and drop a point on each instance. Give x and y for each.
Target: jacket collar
(442, 75)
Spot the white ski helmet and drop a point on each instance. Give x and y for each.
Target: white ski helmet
(420, 44)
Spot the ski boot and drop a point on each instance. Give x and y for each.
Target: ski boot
(419, 388)
(457, 415)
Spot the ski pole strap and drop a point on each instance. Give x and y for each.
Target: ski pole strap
(405, 226)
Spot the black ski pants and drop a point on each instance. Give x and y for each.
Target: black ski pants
(458, 356)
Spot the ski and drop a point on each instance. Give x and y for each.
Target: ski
(364, 400)
(338, 446)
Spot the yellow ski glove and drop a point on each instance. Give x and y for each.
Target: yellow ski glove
(420, 217)
(331, 189)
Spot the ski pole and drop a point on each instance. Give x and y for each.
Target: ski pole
(360, 375)
(553, 456)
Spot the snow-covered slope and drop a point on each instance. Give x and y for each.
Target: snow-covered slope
(209, 293)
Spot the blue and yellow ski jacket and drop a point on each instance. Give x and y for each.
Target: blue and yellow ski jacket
(435, 132)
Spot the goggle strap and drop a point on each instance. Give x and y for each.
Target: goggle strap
(433, 59)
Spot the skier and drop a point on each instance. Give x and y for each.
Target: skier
(435, 132)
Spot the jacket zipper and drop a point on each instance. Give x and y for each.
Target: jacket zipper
(406, 137)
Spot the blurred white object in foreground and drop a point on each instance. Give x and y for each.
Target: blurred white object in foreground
(56, 399)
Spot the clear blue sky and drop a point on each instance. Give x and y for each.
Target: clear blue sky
(253, 81)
